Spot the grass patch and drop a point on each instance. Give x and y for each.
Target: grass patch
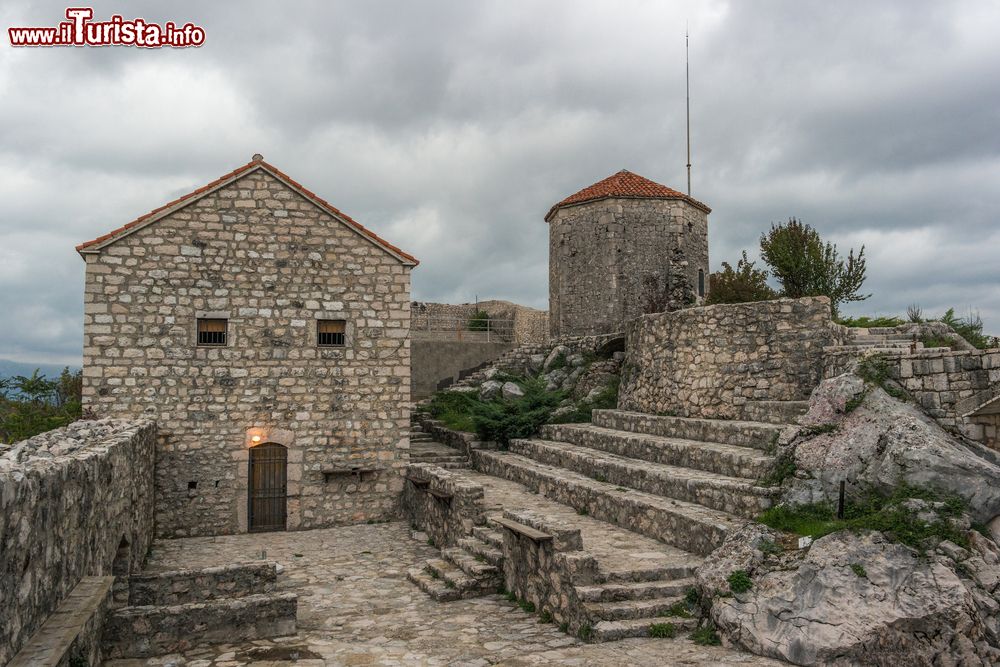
(706, 636)
(564, 627)
(663, 630)
(859, 570)
(770, 547)
(545, 617)
(819, 429)
(937, 341)
(511, 596)
(739, 582)
(875, 511)
(585, 633)
(583, 511)
(606, 399)
(854, 403)
(526, 606)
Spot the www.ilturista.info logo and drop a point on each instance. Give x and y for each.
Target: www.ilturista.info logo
(79, 30)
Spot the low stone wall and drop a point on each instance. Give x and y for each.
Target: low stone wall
(546, 572)
(709, 361)
(437, 361)
(74, 502)
(947, 385)
(442, 504)
(210, 583)
(142, 632)
(458, 440)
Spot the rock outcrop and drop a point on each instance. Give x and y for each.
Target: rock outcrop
(872, 440)
(855, 599)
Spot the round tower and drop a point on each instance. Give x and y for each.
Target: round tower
(624, 247)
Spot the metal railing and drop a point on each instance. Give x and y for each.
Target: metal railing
(464, 328)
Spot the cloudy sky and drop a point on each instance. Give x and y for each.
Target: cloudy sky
(451, 127)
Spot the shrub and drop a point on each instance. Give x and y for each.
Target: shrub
(970, 328)
(706, 636)
(663, 630)
(739, 582)
(743, 284)
(479, 321)
(784, 468)
(866, 322)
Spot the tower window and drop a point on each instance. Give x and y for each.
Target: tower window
(212, 332)
(701, 282)
(330, 333)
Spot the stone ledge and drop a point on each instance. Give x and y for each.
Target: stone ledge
(77, 619)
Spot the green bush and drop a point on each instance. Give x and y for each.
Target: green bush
(706, 636)
(36, 404)
(743, 284)
(662, 630)
(866, 322)
(970, 328)
(739, 582)
(479, 321)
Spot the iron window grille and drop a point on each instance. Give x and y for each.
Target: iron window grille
(331, 333)
(212, 332)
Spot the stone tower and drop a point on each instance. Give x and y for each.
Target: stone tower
(620, 248)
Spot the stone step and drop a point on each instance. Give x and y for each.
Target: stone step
(423, 457)
(484, 573)
(720, 458)
(757, 435)
(642, 590)
(487, 552)
(609, 631)
(489, 535)
(622, 610)
(651, 574)
(727, 494)
(450, 574)
(775, 412)
(435, 588)
(693, 528)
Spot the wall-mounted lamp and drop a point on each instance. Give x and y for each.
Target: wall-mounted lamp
(255, 439)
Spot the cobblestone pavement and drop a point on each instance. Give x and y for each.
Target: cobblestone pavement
(357, 608)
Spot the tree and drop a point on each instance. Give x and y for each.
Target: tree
(740, 285)
(806, 266)
(35, 404)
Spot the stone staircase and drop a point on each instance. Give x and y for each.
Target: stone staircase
(519, 360)
(652, 495)
(880, 340)
(424, 448)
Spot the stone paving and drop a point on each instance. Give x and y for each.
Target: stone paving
(357, 608)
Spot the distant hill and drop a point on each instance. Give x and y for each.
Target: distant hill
(11, 368)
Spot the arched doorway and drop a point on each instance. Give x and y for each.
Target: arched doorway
(268, 488)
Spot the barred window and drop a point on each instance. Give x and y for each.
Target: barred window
(330, 333)
(212, 332)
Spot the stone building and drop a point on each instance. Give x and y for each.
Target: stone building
(620, 248)
(267, 333)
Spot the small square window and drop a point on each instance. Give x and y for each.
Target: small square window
(212, 332)
(330, 333)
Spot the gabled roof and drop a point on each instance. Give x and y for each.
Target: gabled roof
(257, 163)
(627, 185)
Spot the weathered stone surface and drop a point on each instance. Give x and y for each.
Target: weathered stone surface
(615, 259)
(743, 549)
(555, 353)
(511, 390)
(858, 599)
(883, 443)
(710, 361)
(490, 389)
(74, 502)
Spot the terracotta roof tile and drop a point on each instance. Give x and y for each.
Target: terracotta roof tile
(124, 230)
(628, 185)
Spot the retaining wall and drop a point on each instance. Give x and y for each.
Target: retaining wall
(74, 502)
(434, 361)
(709, 361)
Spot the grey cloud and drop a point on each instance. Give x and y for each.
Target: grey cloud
(451, 127)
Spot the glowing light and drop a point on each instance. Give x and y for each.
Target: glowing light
(255, 438)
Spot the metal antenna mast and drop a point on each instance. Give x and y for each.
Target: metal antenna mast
(687, 87)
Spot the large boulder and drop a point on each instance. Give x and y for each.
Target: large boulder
(855, 599)
(554, 354)
(869, 439)
(744, 549)
(490, 389)
(511, 390)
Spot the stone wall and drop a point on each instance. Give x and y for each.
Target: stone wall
(709, 361)
(210, 583)
(523, 324)
(74, 502)
(442, 504)
(142, 632)
(610, 261)
(947, 385)
(260, 254)
(437, 361)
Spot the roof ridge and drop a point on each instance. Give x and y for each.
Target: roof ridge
(256, 163)
(625, 184)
